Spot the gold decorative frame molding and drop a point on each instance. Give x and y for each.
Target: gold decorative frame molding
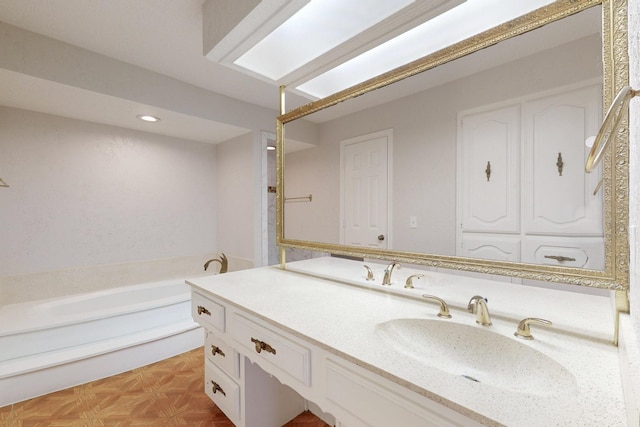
(615, 275)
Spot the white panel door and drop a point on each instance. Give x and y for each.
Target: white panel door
(489, 171)
(365, 190)
(558, 196)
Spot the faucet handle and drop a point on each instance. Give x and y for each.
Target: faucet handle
(369, 273)
(224, 263)
(444, 308)
(524, 331)
(409, 283)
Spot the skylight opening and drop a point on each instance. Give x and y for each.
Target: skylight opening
(466, 20)
(314, 30)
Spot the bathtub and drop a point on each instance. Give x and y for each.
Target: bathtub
(53, 344)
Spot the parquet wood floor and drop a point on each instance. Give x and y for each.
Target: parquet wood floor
(164, 394)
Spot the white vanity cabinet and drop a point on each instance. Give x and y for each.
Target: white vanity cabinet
(261, 375)
(519, 165)
(245, 393)
(362, 399)
(294, 341)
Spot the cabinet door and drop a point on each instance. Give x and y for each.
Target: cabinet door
(489, 169)
(558, 194)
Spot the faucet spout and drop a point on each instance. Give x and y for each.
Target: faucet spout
(478, 305)
(222, 260)
(386, 280)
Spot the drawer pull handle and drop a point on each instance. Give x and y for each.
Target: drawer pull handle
(201, 310)
(216, 387)
(560, 258)
(261, 345)
(216, 350)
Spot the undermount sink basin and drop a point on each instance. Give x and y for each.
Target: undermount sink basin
(477, 354)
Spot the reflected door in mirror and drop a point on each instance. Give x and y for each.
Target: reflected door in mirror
(490, 170)
(365, 190)
(558, 194)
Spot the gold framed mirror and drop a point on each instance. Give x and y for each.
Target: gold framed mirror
(603, 266)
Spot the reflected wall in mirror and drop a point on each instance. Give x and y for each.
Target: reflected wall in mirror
(476, 164)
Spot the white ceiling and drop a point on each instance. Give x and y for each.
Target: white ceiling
(161, 37)
(164, 36)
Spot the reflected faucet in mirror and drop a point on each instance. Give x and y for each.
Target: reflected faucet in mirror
(222, 260)
(409, 283)
(386, 280)
(369, 273)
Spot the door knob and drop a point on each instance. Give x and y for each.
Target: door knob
(381, 237)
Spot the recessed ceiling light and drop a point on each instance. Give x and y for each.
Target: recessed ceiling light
(270, 147)
(148, 118)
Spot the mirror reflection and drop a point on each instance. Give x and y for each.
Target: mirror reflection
(482, 157)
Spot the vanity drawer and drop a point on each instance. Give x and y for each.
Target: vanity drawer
(207, 313)
(372, 401)
(222, 389)
(222, 354)
(288, 356)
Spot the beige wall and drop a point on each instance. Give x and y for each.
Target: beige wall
(236, 203)
(85, 195)
(424, 148)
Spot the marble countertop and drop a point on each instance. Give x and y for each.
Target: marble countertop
(343, 315)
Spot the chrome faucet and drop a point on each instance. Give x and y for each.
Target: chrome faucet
(386, 280)
(224, 263)
(478, 305)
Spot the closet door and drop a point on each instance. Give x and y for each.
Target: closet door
(488, 173)
(557, 194)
